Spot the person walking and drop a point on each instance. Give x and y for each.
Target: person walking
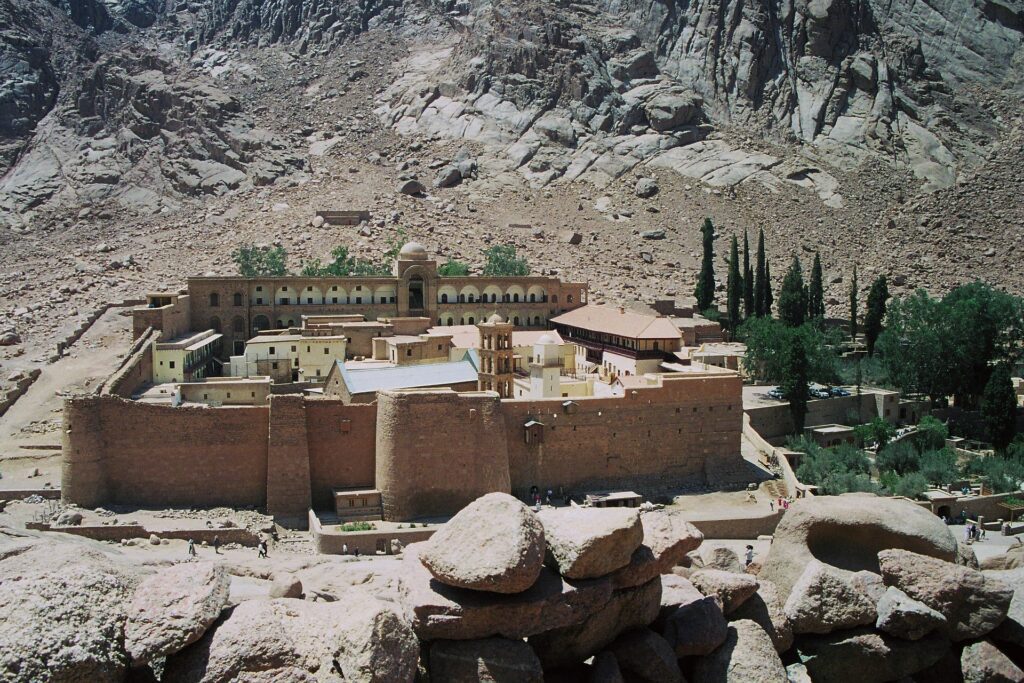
(191, 548)
(262, 548)
(750, 555)
(216, 545)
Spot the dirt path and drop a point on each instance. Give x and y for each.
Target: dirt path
(30, 432)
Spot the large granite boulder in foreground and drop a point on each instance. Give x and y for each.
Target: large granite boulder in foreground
(983, 662)
(286, 639)
(864, 655)
(766, 609)
(493, 544)
(667, 540)
(972, 603)
(62, 612)
(847, 532)
(901, 616)
(823, 600)
(586, 543)
(746, 655)
(173, 608)
(692, 623)
(438, 611)
(731, 588)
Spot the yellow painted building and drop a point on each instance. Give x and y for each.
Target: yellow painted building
(186, 358)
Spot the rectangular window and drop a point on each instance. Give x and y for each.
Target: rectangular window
(309, 300)
(359, 288)
(392, 299)
(309, 289)
(259, 288)
(293, 349)
(229, 394)
(171, 365)
(284, 301)
(206, 396)
(334, 288)
(334, 300)
(285, 288)
(408, 352)
(318, 372)
(308, 349)
(259, 301)
(271, 350)
(359, 299)
(273, 366)
(327, 351)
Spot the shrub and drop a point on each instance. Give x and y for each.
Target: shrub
(357, 526)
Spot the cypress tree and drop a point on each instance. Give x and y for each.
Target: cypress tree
(734, 286)
(817, 293)
(853, 304)
(875, 316)
(705, 291)
(807, 302)
(769, 298)
(999, 408)
(792, 301)
(794, 386)
(761, 286)
(748, 279)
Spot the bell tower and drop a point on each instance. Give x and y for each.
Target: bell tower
(496, 356)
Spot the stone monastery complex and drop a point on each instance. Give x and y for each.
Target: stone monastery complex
(400, 398)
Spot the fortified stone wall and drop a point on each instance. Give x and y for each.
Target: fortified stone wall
(137, 368)
(429, 452)
(652, 439)
(775, 423)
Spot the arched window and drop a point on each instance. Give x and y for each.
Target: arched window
(536, 320)
(515, 320)
(471, 298)
(214, 299)
(238, 325)
(515, 297)
(494, 298)
(462, 298)
(260, 322)
(472, 320)
(533, 298)
(444, 298)
(451, 321)
(237, 299)
(215, 324)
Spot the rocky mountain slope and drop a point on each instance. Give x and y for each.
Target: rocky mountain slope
(884, 133)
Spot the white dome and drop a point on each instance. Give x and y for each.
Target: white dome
(547, 339)
(413, 251)
(495, 319)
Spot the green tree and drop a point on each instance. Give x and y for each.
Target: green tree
(900, 457)
(259, 261)
(769, 298)
(795, 384)
(705, 290)
(931, 434)
(734, 287)
(853, 304)
(762, 289)
(834, 471)
(878, 295)
(503, 262)
(344, 265)
(916, 350)
(910, 485)
(453, 268)
(999, 408)
(792, 305)
(748, 279)
(879, 431)
(768, 342)
(816, 305)
(939, 466)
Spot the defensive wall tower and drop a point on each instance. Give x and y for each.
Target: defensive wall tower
(496, 358)
(83, 467)
(424, 469)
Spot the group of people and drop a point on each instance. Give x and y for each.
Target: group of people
(781, 503)
(536, 498)
(261, 547)
(973, 532)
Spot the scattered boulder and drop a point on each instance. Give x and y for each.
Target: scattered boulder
(865, 655)
(983, 662)
(449, 176)
(557, 129)
(901, 616)
(9, 338)
(571, 237)
(667, 540)
(644, 654)
(589, 542)
(767, 609)
(495, 544)
(966, 556)
(731, 588)
(69, 518)
(439, 611)
(653, 234)
(672, 109)
(488, 659)
(691, 623)
(972, 603)
(626, 609)
(847, 532)
(823, 600)
(297, 640)
(719, 557)
(646, 188)
(173, 608)
(286, 586)
(746, 655)
(413, 188)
